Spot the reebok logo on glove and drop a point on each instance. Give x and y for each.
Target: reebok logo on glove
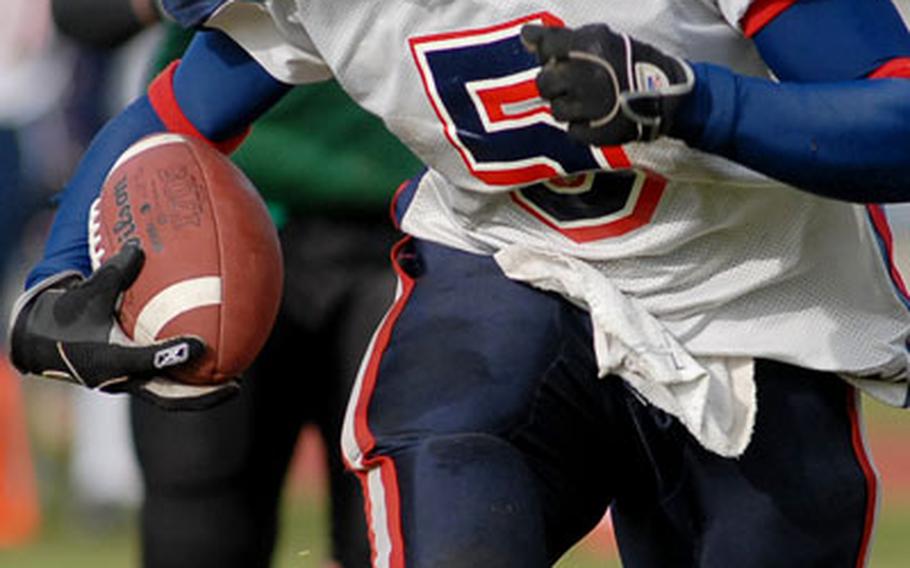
(172, 356)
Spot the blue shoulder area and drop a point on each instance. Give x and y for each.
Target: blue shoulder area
(191, 13)
(833, 40)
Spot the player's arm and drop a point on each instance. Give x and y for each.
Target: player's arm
(845, 139)
(62, 324)
(215, 93)
(850, 140)
(829, 40)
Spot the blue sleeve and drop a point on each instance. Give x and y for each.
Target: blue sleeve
(67, 245)
(832, 40)
(220, 89)
(191, 13)
(847, 140)
(823, 128)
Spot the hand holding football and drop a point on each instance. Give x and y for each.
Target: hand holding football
(212, 259)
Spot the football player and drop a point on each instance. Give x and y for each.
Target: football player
(636, 272)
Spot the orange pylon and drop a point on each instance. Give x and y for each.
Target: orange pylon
(20, 512)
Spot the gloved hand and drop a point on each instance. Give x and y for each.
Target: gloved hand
(64, 328)
(610, 88)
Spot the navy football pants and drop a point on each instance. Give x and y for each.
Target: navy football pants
(482, 437)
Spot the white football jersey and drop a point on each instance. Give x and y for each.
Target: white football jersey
(706, 264)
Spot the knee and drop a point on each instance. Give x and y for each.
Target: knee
(468, 499)
(187, 452)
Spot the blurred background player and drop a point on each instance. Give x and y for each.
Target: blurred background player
(327, 169)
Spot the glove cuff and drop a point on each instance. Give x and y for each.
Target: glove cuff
(63, 279)
(653, 99)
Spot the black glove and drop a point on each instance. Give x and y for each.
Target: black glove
(610, 88)
(65, 329)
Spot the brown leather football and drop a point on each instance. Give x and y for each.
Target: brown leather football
(212, 260)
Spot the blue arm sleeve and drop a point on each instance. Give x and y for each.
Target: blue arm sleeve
(221, 90)
(67, 245)
(832, 40)
(848, 140)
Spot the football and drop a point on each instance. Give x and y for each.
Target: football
(213, 264)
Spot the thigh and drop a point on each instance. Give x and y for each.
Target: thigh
(464, 352)
(803, 494)
(464, 423)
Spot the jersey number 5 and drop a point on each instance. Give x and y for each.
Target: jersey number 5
(480, 83)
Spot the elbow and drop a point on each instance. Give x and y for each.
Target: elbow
(871, 163)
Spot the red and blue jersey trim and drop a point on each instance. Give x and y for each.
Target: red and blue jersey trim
(761, 13)
(878, 219)
(403, 197)
(897, 68)
(163, 100)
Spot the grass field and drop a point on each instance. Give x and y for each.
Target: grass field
(65, 546)
(65, 542)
